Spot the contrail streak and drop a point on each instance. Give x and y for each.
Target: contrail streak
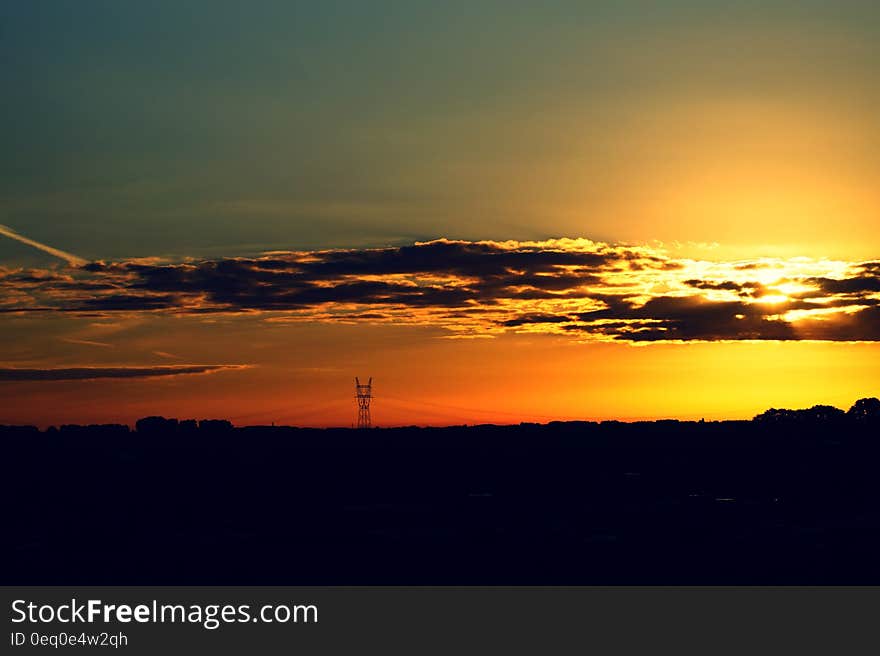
(71, 259)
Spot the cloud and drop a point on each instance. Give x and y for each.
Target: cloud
(575, 287)
(855, 285)
(86, 342)
(688, 318)
(72, 260)
(91, 373)
(167, 355)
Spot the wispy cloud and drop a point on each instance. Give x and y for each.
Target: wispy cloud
(576, 287)
(166, 355)
(72, 260)
(90, 373)
(86, 342)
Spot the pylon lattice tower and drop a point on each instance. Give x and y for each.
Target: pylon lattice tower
(364, 394)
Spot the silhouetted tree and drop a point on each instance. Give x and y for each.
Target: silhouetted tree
(776, 416)
(824, 413)
(156, 425)
(95, 429)
(19, 429)
(215, 425)
(865, 410)
(816, 414)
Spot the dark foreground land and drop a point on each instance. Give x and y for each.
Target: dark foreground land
(788, 499)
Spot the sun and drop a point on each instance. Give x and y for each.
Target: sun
(773, 299)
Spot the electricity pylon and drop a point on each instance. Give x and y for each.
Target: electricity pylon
(364, 394)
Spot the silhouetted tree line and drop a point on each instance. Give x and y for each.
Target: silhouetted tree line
(791, 497)
(863, 410)
(161, 425)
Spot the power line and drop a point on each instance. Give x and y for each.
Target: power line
(478, 410)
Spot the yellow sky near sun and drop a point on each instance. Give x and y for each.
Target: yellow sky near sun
(305, 377)
(753, 177)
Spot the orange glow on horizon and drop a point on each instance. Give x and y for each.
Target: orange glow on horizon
(504, 380)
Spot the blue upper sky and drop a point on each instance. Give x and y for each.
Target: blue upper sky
(201, 128)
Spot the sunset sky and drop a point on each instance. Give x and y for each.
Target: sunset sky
(501, 211)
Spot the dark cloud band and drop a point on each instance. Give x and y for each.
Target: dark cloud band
(568, 287)
(90, 373)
